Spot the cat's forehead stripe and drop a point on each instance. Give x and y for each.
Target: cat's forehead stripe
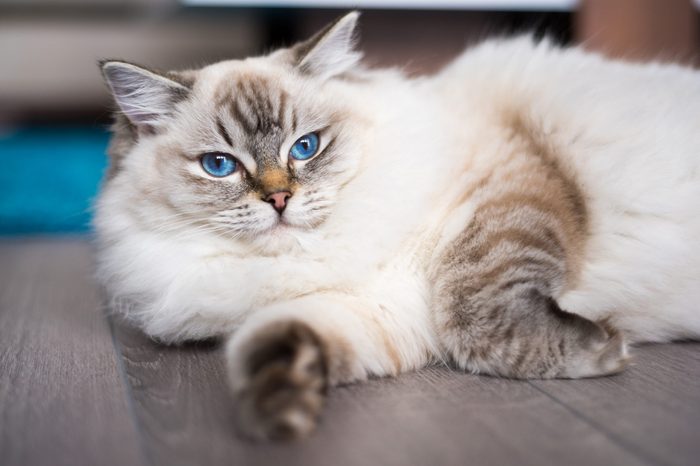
(257, 104)
(241, 117)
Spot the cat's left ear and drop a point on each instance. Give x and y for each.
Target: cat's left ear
(332, 50)
(145, 97)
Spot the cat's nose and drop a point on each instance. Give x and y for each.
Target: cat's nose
(278, 200)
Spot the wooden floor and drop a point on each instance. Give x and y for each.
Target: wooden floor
(76, 388)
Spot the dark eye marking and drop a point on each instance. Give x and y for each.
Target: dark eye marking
(222, 131)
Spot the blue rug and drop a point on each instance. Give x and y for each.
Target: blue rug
(49, 177)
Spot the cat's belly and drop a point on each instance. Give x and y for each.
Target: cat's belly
(641, 263)
(643, 273)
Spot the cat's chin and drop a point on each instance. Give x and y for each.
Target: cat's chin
(291, 224)
(280, 238)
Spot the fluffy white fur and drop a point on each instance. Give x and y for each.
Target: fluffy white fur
(628, 134)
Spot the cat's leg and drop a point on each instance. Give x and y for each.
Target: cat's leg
(527, 335)
(284, 358)
(493, 301)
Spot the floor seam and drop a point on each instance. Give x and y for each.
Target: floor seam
(614, 438)
(131, 404)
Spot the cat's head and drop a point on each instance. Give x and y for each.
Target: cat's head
(245, 149)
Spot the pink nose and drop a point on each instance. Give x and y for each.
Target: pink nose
(278, 200)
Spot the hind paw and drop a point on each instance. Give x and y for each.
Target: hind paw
(601, 355)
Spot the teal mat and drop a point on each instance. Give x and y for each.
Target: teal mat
(49, 177)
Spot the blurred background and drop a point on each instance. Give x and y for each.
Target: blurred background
(55, 111)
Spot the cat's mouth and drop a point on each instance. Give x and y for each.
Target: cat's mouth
(284, 224)
(287, 222)
(281, 224)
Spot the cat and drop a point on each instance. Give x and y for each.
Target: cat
(526, 212)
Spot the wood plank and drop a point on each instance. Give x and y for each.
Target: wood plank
(434, 416)
(62, 398)
(652, 408)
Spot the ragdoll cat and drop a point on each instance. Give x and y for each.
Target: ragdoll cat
(526, 212)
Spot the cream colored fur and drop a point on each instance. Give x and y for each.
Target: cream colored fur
(628, 134)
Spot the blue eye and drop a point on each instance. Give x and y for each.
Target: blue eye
(305, 147)
(218, 164)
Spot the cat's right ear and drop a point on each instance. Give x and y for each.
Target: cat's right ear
(332, 50)
(146, 98)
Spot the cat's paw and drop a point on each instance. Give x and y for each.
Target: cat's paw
(602, 353)
(282, 380)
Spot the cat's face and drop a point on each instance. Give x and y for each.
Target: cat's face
(254, 150)
(244, 149)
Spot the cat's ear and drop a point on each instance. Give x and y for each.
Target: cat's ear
(145, 97)
(332, 50)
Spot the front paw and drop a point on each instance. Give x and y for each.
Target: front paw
(282, 380)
